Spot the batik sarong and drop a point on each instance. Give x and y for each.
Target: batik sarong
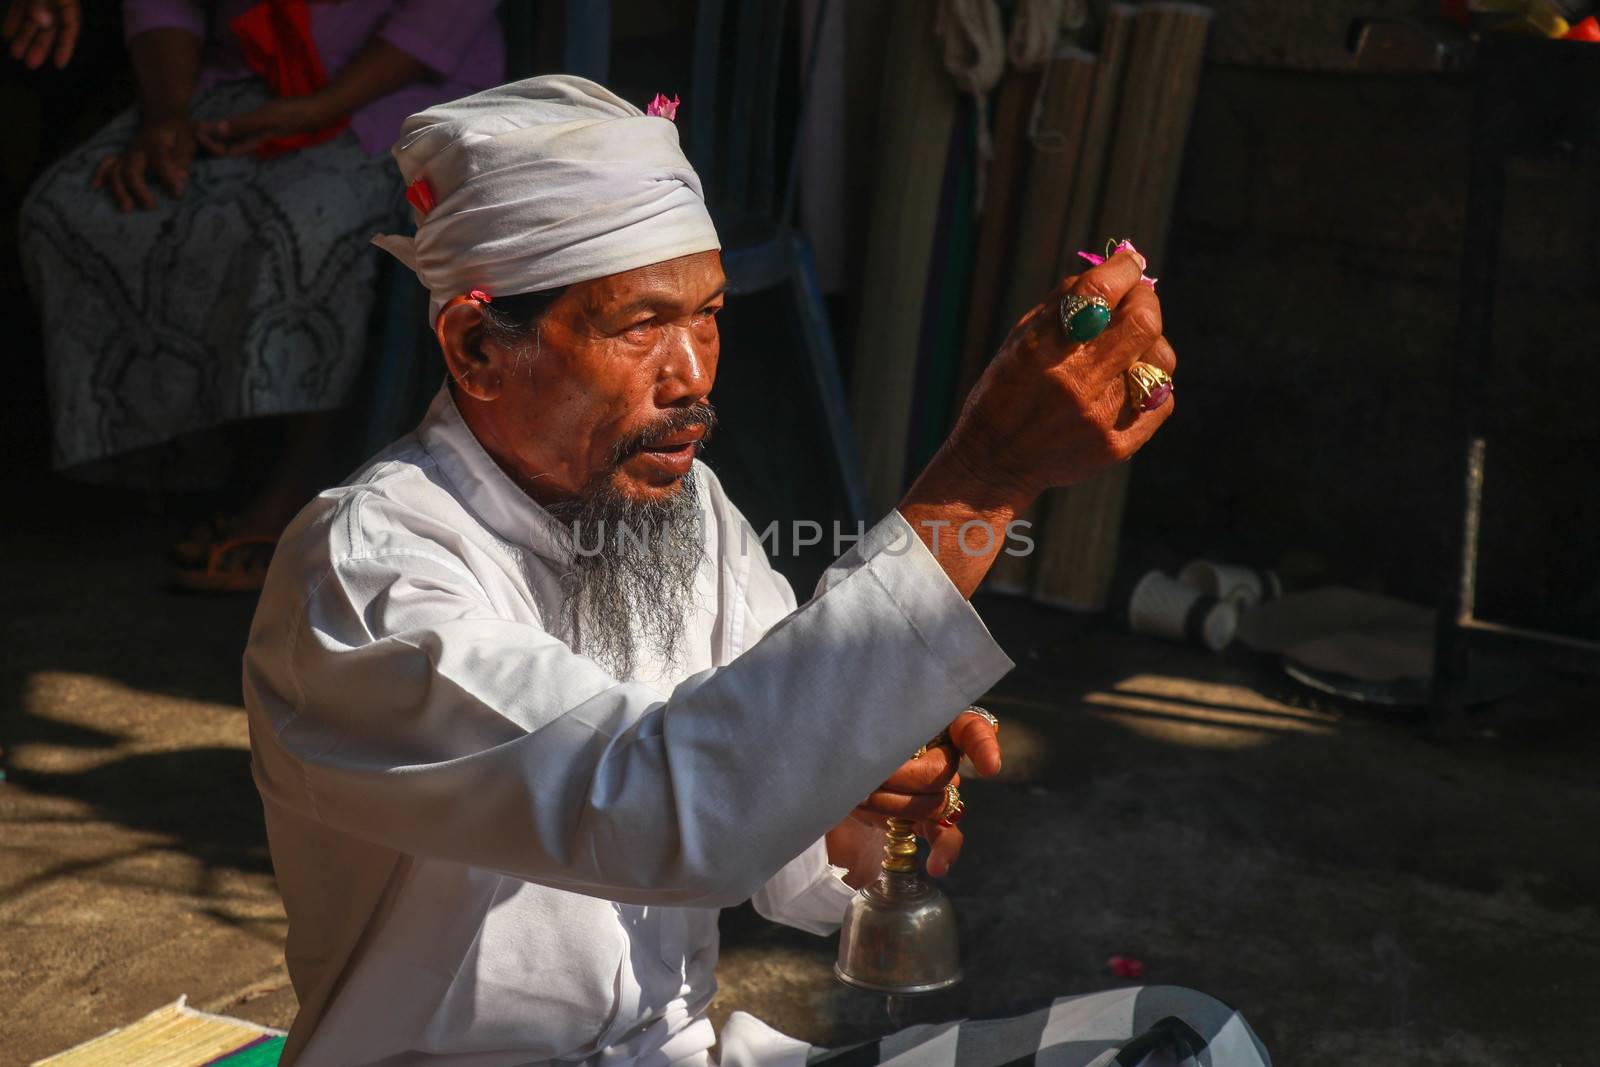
(248, 296)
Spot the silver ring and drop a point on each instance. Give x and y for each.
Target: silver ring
(975, 710)
(1072, 305)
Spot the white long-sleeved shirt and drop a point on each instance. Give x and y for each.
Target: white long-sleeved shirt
(493, 852)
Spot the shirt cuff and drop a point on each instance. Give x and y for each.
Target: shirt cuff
(808, 893)
(946, 623)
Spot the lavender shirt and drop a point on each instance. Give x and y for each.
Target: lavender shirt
(459, 40)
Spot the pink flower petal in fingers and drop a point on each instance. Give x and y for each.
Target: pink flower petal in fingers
(1126, 246)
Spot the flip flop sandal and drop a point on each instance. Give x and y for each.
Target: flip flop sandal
(195, 549)
(249, 557)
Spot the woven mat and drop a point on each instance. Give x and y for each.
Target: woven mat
(177, 1036)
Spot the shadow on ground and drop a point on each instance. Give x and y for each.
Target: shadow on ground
(97, 651)
(135, 868)
(1359, 893)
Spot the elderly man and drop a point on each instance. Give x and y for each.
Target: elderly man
(528, 703)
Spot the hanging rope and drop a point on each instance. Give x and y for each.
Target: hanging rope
(974, 55)
(1033, 32)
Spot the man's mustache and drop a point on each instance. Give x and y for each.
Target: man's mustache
(673, 422)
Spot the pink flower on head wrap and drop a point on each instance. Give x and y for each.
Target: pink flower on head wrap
(661, 107)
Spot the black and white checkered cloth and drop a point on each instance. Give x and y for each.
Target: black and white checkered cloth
(1153, 1026)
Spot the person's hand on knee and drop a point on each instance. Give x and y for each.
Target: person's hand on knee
(242, 134)
(163, 149)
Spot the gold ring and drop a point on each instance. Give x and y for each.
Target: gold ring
(1149, 387)
(950, 814)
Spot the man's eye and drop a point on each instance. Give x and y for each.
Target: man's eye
(640, 328)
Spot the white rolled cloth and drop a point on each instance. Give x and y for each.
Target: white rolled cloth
(541, 183)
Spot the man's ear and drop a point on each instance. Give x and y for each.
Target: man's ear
(471, 364)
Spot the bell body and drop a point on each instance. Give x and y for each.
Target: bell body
(899, 937)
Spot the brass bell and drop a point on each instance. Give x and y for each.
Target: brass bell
(899, 933)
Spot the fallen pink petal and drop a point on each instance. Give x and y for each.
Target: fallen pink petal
(1126, 966)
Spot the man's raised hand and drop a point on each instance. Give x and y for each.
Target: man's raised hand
(1050, 411)
(163, 148)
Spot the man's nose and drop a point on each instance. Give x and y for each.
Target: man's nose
(686, 372)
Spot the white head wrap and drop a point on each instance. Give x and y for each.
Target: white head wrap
(542, 183)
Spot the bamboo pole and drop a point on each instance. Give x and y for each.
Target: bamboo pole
(918, 103)
(1077, 548)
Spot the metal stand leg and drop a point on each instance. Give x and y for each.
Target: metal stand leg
(825, 373)
(1450, 652)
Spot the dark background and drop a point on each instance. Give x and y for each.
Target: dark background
(1310, 290)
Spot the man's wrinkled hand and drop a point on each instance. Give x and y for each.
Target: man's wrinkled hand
(164, 148)
(40, 28)
(1049, 411)
(916, 791)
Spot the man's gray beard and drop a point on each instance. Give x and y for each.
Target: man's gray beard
(632, 576)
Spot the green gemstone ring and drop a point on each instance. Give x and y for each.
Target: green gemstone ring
(1084, 317)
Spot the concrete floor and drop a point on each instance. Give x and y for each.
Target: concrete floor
(1363, 895)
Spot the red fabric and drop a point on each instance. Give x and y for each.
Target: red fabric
(1586, 30)
(275, 36)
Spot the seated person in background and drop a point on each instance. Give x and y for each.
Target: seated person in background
(527, 702)
(204, 259)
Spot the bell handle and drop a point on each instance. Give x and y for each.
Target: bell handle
(900, 849)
